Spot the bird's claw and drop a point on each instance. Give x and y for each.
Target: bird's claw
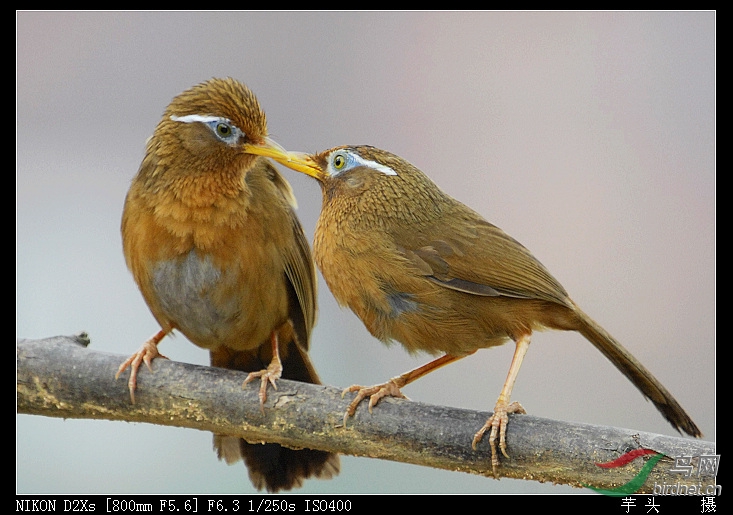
(497, 423)
(375, 394)
(145, 354)
(269, 375)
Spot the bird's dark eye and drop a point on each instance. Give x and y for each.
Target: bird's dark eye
(339, 161)
(224, 130)
(221, 127)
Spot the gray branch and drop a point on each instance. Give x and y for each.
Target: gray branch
(61, 377)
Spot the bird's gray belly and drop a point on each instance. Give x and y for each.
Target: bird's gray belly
(192, 293)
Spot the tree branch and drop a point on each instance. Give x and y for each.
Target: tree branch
(60, 377)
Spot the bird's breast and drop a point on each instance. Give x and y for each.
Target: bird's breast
(210, 262)
(214, 305)
(188, 290)
(364, 272)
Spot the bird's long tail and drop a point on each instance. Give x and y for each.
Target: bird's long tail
(637, 374)
(272, 466)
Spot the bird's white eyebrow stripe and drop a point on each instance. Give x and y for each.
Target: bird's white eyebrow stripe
(191, 118)
(386, 170)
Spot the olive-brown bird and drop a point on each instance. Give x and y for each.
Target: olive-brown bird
(210, 235)
(421, 268)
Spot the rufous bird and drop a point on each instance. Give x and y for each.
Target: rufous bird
(421, 268)
(210, 235)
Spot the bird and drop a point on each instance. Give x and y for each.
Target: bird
(210, 235)
(421, 268)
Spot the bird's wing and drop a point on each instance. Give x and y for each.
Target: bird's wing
(300, 271)
(473, 256)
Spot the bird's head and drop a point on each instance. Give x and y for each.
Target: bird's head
(213, 126)
(370, 187)
(342, 162)
(375, 174)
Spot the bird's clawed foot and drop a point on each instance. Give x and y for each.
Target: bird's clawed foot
(145, 354)
(497, 423)
(389, 389)
(270, 375)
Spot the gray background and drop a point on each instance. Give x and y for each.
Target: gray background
(589, 137)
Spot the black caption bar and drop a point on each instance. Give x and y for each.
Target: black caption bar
(328, 504)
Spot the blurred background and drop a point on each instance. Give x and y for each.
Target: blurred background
(587, 136)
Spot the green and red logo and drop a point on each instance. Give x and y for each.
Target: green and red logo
(636, 483)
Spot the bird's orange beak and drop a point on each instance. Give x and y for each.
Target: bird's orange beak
(298, 161)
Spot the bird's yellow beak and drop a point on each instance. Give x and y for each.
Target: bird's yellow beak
(297, 161)
(266, 147)
(304, 163)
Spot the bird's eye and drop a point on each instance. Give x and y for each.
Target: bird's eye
(339, 161)
(223, 130)
(344, 160)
